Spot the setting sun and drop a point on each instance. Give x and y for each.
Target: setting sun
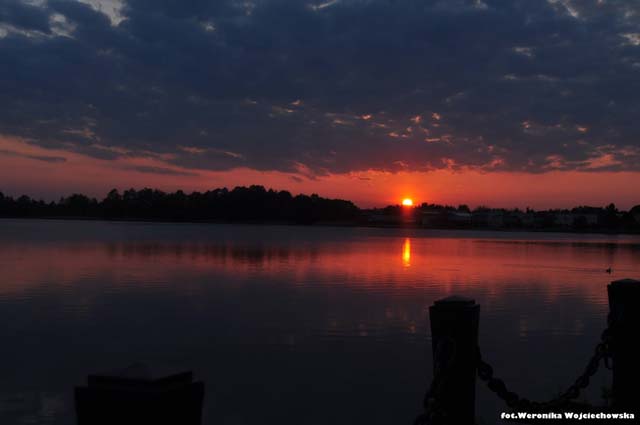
(407, 202)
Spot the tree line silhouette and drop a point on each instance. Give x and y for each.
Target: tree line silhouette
(242, 204)
(259, 205)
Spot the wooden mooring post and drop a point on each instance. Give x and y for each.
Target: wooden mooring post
(455, 320)
(124, 398)
(454, 324)
(624, 305)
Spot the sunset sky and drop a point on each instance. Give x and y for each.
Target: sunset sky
(503, 103)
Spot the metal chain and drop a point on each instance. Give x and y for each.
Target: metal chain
(444, 360)
(513, 400)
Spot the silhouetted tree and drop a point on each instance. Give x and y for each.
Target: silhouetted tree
(609, 218)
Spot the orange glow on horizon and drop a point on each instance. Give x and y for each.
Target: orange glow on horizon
(51, 173)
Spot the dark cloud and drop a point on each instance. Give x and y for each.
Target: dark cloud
(316, 87)
(44, 158)
(160, 170)
(23, 16)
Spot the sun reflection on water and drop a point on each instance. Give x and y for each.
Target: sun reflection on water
(406, 253)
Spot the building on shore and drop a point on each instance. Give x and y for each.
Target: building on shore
(488, 218)
(445, 218)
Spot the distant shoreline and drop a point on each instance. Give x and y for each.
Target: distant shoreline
(260, 206)
(408, 226)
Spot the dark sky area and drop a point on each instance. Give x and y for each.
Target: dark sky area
(316, 90)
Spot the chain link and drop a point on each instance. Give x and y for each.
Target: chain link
(513, 400)
(444, 361)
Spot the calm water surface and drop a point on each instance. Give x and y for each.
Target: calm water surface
(291, 325)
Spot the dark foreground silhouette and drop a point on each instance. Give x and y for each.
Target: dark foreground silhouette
(458, 360)
(132, 397)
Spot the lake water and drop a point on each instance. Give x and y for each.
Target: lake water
(292, 325)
